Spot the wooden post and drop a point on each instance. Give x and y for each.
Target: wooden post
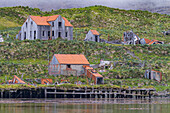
(55, 93)
(45, 92)
(1, 93)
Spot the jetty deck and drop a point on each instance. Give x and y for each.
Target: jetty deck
(52, 92)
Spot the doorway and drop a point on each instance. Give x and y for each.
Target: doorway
(59, 34)
(96, 38)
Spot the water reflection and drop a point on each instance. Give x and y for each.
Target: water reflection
(56, 107)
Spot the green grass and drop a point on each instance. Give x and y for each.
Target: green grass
(108, 21)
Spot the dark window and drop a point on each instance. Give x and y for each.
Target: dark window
(48, 33)
(30, 33)
(34, 35)
(31, 23)
(66, 34)
(59, 24)
(26, 24)
(68, 66)
(52, 33)
(59, 34)
(96, 38)
(24, 35)
(43, 33)
(52, 24)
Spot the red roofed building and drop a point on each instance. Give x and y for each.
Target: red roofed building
(93, 75)
(67, 64)
(46, 27)
(93, 35)
(153, 75)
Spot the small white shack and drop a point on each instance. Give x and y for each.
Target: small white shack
(93, 35)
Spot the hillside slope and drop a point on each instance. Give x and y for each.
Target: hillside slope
(31, 59)
(108, 21)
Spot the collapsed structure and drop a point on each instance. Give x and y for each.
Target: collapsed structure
(132, 38)
(16, 80)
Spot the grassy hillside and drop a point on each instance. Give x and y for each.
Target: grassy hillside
(32, 57)
(108, 21)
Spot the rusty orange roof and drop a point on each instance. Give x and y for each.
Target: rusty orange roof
(52, 18)
(87, 67)
(67, 23)
(71, 59)
(40, 20)
(43, 20)
(147, 40)
(94, 32)
(18, 80)
(45, 81)
(97, 75)
(152, 42)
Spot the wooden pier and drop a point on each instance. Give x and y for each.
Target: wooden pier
(52, 92)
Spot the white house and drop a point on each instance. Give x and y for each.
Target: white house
(45, 28)
(93, 35)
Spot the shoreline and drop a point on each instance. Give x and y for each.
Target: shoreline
(157, 100)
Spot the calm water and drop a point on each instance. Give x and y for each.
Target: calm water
(85, 106)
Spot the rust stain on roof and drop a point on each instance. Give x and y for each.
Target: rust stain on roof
(71, 59)
(94, 32)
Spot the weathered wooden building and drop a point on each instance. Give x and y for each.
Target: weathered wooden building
(45, 28)
(93, 35)
(130, 38)
(153, 75)
(91, 74)
(67, 64)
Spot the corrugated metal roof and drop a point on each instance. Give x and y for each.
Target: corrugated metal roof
(71, 59)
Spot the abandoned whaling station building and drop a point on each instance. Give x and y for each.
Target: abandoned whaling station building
(131, 38)
(73, 64)
(153, 75)
(93, 35)
(46, 28)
